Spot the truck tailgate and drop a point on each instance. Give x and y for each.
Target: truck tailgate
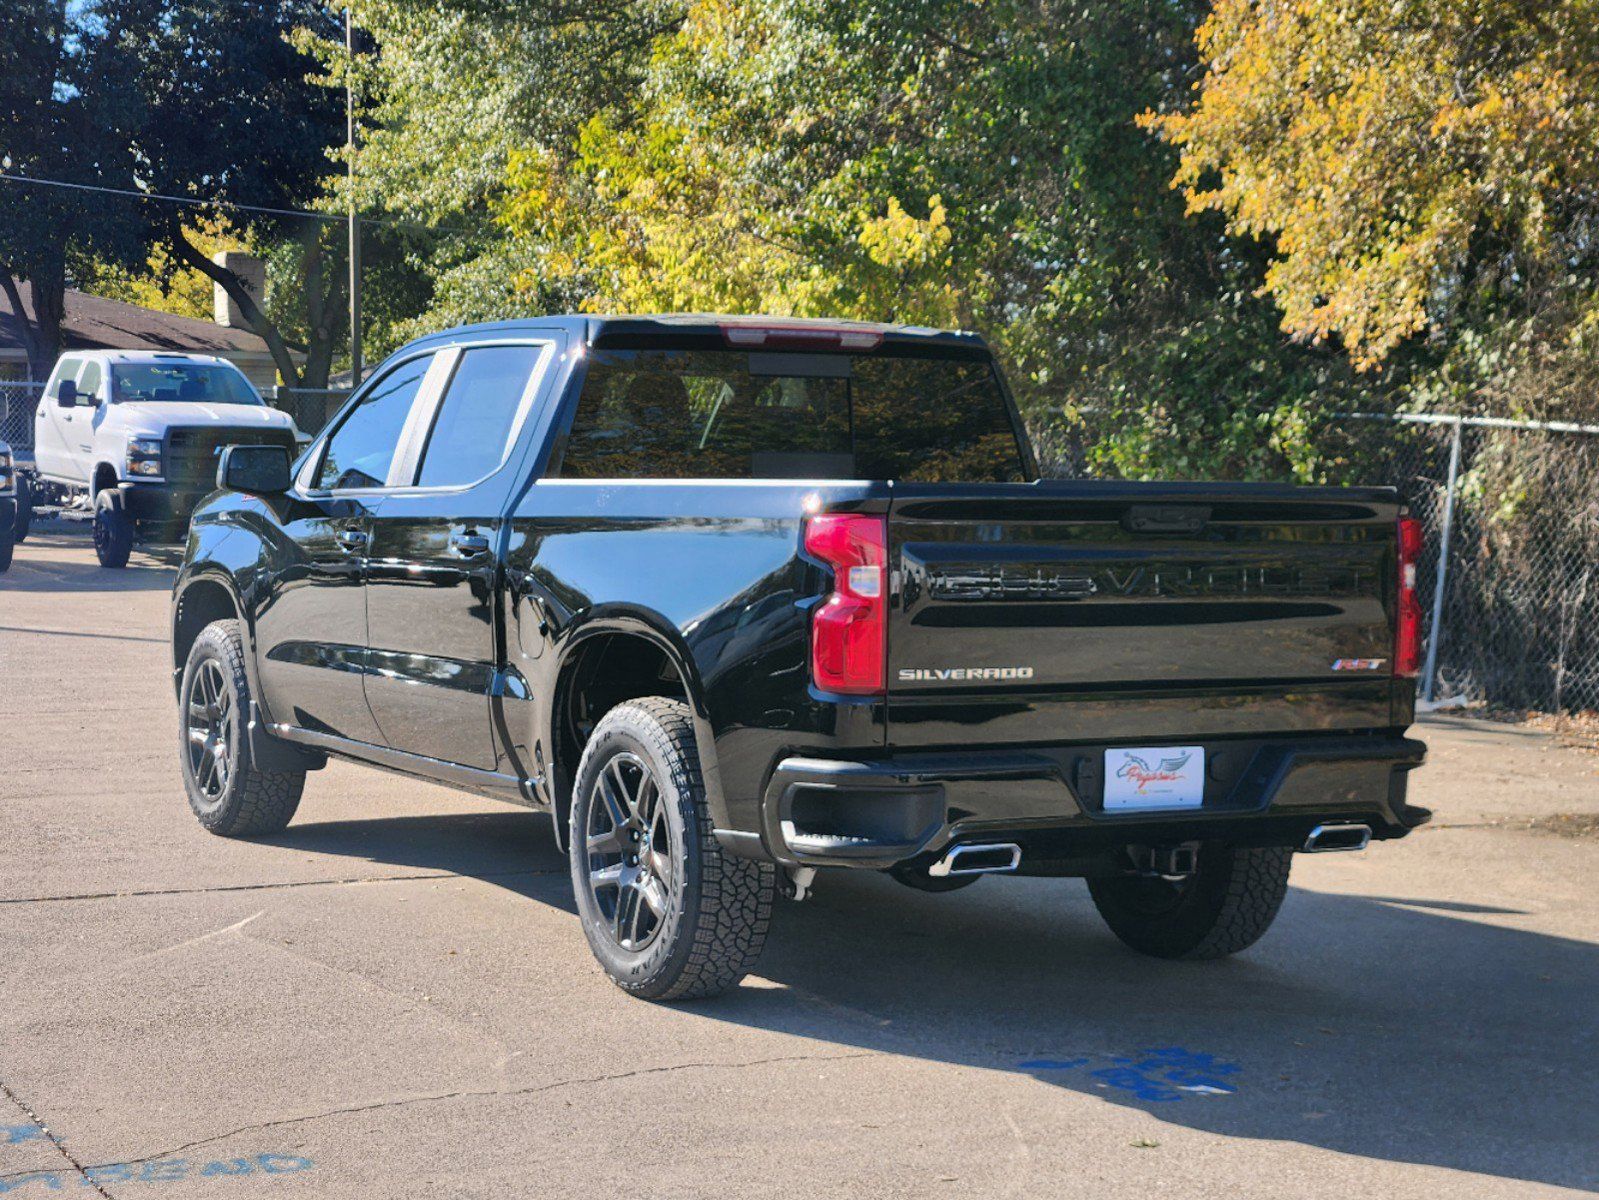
(1038, 612)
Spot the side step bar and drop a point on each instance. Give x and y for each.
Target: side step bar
(986, 859)
(1324, 839)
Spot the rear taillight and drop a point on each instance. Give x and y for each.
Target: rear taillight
(1407, 632)
(849, 631)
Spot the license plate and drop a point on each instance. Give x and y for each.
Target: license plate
(1154, 777)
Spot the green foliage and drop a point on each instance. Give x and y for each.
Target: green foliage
(1414, 168)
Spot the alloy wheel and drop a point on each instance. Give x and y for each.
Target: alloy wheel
(210, 729)
(628, 843)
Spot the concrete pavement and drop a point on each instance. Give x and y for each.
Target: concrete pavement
(394, 998)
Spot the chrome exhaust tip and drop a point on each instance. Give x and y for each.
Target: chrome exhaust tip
(973, 859)
(1325, 839)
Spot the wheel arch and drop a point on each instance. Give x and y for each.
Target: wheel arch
(583, 692)
(200, 599)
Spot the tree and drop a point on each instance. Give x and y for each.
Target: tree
(941, 162)
(59, 120)
(228, 114)
(1413, 166)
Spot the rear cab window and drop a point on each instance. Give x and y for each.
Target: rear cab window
(730, 414)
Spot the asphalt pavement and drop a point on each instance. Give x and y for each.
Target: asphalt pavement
(393, 997)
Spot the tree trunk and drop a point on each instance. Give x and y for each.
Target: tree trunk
(258, 321)
(41, 329)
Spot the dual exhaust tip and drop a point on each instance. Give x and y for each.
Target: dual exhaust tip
(1325, 839)
(985, 858)
(990, 858)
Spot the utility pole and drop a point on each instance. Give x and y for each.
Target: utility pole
(355, 225)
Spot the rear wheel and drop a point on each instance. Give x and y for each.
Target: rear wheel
(230, 796)
(113, 529)
(24, 509)
(667, 912)
(1225, 906)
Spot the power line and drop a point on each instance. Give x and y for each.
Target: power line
(227, 204)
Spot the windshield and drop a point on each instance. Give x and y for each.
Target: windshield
(168, 382)
(732, 415)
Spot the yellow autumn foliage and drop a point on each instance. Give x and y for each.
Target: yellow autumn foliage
(1392, 153)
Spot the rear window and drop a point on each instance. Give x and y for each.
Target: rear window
(660, 414)
(159, 382)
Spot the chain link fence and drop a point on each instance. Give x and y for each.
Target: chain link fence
(19, 399)
(1511, 574)
(311, 408)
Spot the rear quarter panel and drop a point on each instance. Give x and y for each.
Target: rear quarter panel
(714, 574)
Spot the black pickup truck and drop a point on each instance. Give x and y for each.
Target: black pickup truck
(739, 598)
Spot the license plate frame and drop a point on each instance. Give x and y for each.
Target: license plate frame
(1154, 778)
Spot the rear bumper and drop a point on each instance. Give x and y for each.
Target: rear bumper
(882, 812)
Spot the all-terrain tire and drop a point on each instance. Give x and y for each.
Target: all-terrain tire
(716, 907)
(246, 801)
(24, 520)
(113, 529)
(6, 551)
(1224, 907)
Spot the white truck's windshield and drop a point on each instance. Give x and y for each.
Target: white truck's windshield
(169, 382)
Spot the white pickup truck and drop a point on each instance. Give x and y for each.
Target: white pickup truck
(139, 432)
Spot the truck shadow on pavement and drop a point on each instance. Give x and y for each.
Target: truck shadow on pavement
(1379, 1027)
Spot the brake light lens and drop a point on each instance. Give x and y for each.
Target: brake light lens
(1407, 633)
(849, 631)
(794, 336)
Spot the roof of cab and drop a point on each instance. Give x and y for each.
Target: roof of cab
(725, 331)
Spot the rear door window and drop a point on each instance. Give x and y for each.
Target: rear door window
(730, 415)
(360, 451)
(479, 415)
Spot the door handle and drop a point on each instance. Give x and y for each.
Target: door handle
(469, 545)
(351, 539)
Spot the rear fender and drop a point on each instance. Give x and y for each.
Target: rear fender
(652, 627)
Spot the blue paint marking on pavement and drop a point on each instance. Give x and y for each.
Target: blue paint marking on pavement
(15, 1135)
(1160, 1074)
(157, 1170)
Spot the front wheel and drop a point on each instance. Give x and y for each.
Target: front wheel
(667, 912)
(228, 793)
(113, 529)
(1225, 906)
(6, 541)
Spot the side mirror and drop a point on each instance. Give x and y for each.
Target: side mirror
(67, 393)
(260, 469)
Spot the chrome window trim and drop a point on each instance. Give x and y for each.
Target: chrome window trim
(305, 483)
(403, 468)
(423, 430)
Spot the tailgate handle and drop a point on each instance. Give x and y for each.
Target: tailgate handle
(1165, 518)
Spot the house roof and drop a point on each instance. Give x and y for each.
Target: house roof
(95, 323)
